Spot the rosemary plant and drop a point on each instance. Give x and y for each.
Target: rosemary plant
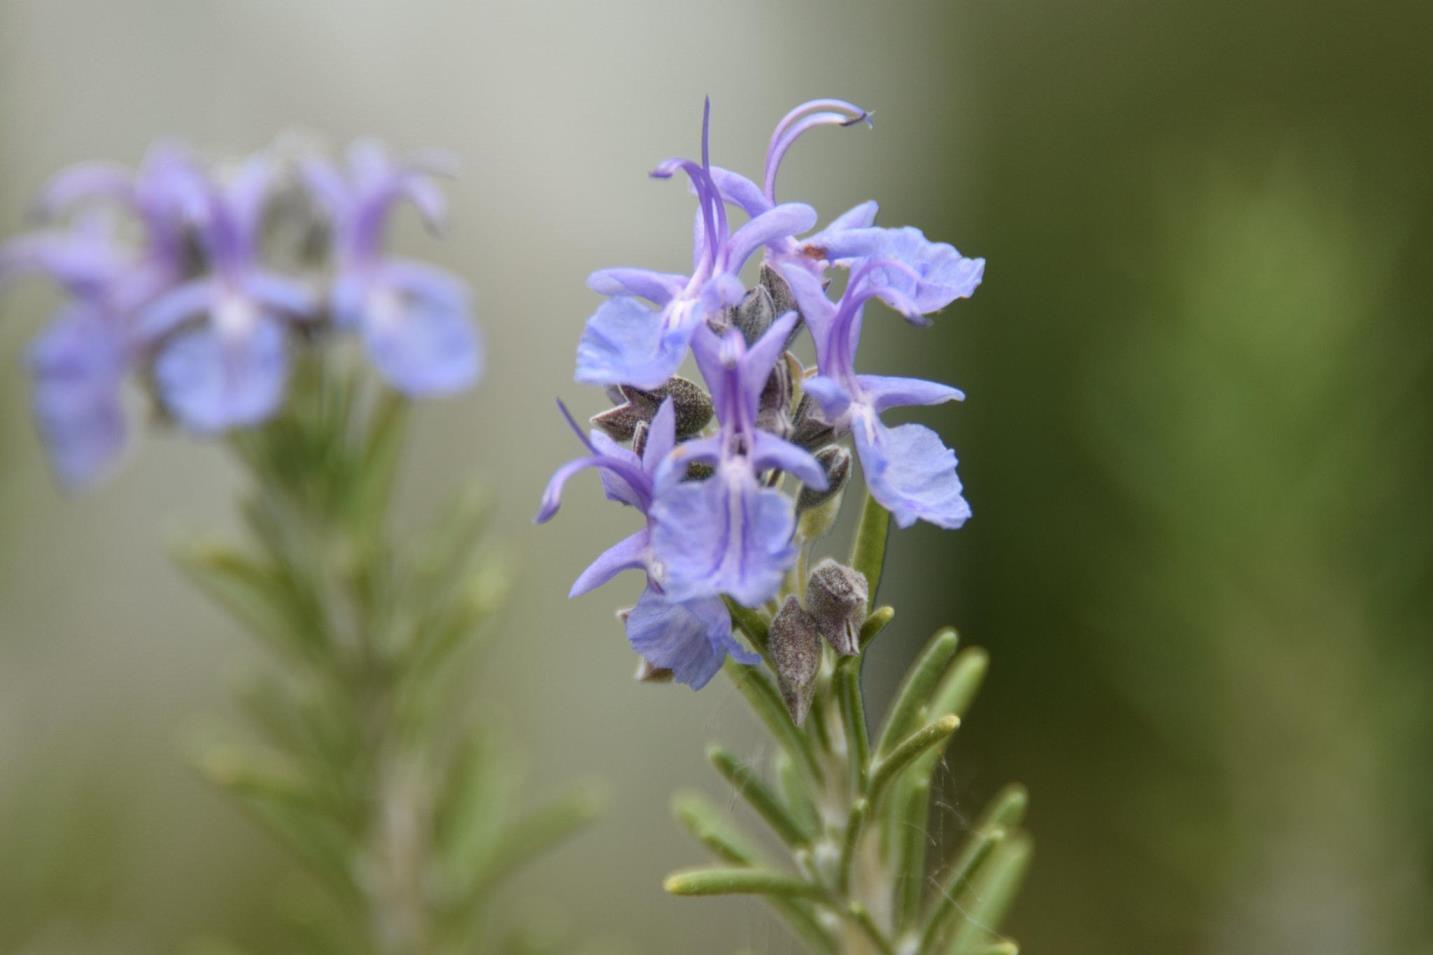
(851, 805)
(736, 479)
(368, 765)
(362, 757)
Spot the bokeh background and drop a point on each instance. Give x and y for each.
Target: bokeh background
(1199, 442)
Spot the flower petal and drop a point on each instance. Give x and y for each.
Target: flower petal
(780, 222)
(776, 453)
(175, 307)
(884, 392)
(281, 293)
(630, 553)
(817, 311)
(830, 394)
(419, 331)
(661, 436)
(944, 274)
(617, 482)
(691, 638)
(659, 288)
(624, 344)
(212, 380)
(85, 182)
(910, 472)
(761, 357)
(741, 191)
(723, 535)
(77, 364)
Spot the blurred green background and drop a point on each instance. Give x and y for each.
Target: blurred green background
(1198, 443)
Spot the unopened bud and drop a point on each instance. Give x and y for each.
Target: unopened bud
(782, 301)
(795, 647)
(810, 429)
(836, 462)
(773, 408)
(755, 314)
(836, 598)
(691, 404)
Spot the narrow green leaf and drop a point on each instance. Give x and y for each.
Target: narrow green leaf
(879, 619)
(324, 847)
(473, 804)
(991, 894)
(913, 806)
(855, 826)
(759, 796)
(740, 882)
(912, 747)
(525, 839)
(257, 596)
(766, 702)
(961, 684)
(1008, 807)
(847, 686)
(1002, 816)
(868, 552)
(708, 825)
(858, 914)
(382, 450)
(952, 697)
(797, 791)
(251, 776)
(918, 689)
(948, 900)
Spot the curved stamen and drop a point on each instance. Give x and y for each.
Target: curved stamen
(816, 112)
(859, 291)
(631, 472)
(707, 200)
(718, 203)
(576, 429)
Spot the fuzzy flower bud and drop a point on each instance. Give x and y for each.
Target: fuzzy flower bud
(836, 598)
(692, 405)
(795, 646)
(836, 462)
(755, 314)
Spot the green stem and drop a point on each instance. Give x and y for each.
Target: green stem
(868, 552)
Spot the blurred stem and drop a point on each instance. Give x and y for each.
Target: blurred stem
(314, 461)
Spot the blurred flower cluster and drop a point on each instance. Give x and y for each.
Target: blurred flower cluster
(197, 281)
(707, 464)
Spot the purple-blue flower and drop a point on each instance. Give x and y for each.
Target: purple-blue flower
(689, 637)
(164, 278)
(731, 532)
(415, 319)
(755, 200)
(692, 638)
(223, 361)
(908, 469)
(721, 517)
(78, 362)
(629, 342)
(77, 366)
(940, 273)
(929, 275)
(165, 193)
